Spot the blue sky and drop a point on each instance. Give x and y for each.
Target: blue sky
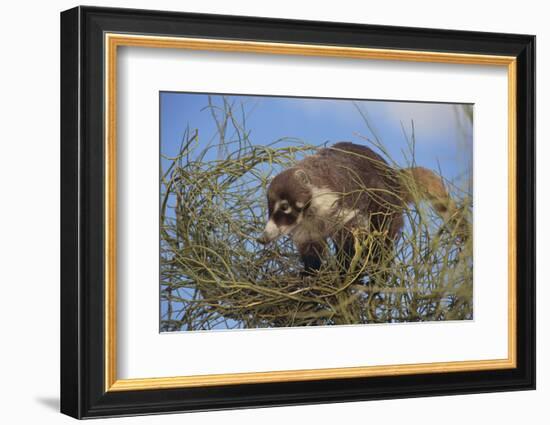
(443, 137)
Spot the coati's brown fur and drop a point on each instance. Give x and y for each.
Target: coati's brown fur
(342, 188)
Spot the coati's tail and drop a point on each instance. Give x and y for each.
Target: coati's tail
(421, 183)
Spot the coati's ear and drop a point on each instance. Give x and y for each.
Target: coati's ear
(302, 177)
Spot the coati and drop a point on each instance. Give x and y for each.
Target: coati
(341, 188)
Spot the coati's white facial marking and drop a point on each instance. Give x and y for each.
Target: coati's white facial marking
(272, 231)
(283, 206)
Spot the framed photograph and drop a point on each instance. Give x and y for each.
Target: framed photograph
(261, 212)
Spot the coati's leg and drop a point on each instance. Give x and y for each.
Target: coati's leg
(311, 253)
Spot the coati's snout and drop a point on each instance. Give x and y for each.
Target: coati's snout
(288, 196)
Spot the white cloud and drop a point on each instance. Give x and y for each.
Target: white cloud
(432, 121)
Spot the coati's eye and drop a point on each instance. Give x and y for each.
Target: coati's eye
(285, 207)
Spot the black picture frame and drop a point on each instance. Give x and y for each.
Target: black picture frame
(83, 392)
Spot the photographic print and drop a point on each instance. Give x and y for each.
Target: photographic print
(288, 211)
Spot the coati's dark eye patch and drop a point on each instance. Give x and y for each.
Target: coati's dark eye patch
(285, 207)
(283, 219)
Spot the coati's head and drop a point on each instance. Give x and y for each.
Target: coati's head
(288, 198)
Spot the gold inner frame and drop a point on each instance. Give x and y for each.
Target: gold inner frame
(113, 41)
